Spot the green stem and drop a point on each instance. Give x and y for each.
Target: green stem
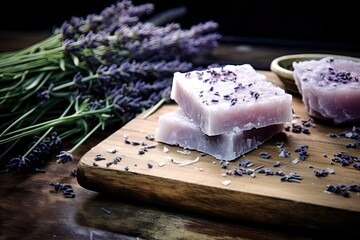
(68, 84)
(47, 132)
(48, 42)
(18, 120)
(154, 108)
(69, 133)
(54, 122)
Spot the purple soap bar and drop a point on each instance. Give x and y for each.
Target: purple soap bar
(175, 128)
(330, 88)
(230, 98)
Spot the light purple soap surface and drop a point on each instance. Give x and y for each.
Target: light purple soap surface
(330, 88)
(175, 128)
(230, 98)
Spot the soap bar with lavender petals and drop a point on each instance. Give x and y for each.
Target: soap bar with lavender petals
(330, 88)
(230, 98)
(176, 128)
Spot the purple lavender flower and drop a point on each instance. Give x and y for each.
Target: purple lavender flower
(18, 164)
(110, 19)
(64, 157)
(44, 94)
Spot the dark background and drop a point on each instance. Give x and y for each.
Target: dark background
(286, 23)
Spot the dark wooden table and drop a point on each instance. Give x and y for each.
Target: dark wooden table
(29, 210)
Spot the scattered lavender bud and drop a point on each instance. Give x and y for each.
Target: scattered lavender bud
(280, 144)
(265, 155)
(284, 153)
(277, 164)
(73, 172)
(356, 165)
(224, 164)
(99, 157)
(350, 145)
(333, 135)
(150, 137)
(322, 173)
(105, 210)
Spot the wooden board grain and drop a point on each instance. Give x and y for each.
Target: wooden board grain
(199, 187)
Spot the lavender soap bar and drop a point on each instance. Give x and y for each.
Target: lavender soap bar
(330, 88)
(175, 128)
(230, 98)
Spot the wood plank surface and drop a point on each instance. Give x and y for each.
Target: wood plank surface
(199, 187)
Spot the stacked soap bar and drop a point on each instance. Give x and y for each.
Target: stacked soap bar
(176, 128)
(232, 98)
(225, 111)
(330, 88)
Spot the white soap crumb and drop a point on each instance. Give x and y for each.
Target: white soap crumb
(161, 164)
(112, 150)
(184, 162)
(165, 150)
(185, 152)
(295, 161)
(226, 182)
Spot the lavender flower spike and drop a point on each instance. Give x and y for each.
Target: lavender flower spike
(64, 157)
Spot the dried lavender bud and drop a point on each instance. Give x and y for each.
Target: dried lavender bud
(350, 145)
(238, 172)
(356, 165)
(354, 188)
(322, 173)
(292, 177)
(99, 157)
(117, 160)
(64, 157)
(67, 189)
(265, 155)
(18, 164)
(280, 144)
(105, 210)
(277, 164)
(244, 163)
(344, 158)
(306, 130)
(333, 135)
(296, 128)
(150, 137)
(302, 152)
(73, 172)
(284, 153)
(308, 122)
(224, 164)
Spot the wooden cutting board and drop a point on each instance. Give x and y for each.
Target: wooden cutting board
(200, 186)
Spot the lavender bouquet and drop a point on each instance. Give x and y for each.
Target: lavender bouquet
(91, 72)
